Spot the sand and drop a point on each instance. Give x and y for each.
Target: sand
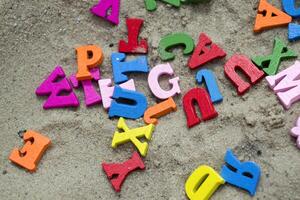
(36, 35)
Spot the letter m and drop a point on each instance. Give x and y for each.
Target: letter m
(286, 85)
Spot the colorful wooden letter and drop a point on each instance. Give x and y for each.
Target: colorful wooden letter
(117, 172)
(250, 70)
(153, 82)
(151, 4)
(270, 64)
(32, 151)
(103, 7)
(207, 109)
(173, 40)
(120, 67)
(53, 87)
(295, 132)
(134, 109)
(88, 57)
(91, 95)
(194, 1)
(159, 110)
(107, 90)
(286, 85)
(133, 45)
(268, 17)
(202, 183)
(133, 135)
(289, 7)
(205, 52)
(294, 32)
(208, 77)
(243, 175)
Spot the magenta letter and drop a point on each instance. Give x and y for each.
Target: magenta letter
(102, 8)
(52, 87)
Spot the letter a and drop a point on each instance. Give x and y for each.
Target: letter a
(102, 8)
(286, 84)
(243, 175)
(203, 182)
(268, 17)
(205, 52)
(133, 135)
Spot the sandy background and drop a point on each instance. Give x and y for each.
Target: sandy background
(36, 35)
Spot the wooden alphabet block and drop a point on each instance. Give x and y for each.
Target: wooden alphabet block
(133, 45)
(159, 110)
(151, 4)
(133, 135)
(250, 70)
(295, 132)
(174, 40)
(92, 97)
(200, 96)
(134, 109)
(34, 147)
(205, 52)
(244, 175)
(153, 81)
(103, 7)
(88, 57)
(208, 77)
(53, 87)
(286, 85)
(107, 90)
(293, 32)
(289, 6)
(202, 183)
(270, 64)
(117, 172)
(121, 67)
(268, 17)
